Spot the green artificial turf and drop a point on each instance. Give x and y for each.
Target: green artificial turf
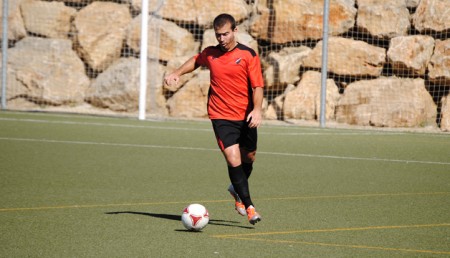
(81, 186)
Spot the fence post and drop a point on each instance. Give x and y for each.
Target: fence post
(144, 57)
(4, 52)
(323, 94)
(143, 60)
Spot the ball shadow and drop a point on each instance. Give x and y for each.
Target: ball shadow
(215, 222)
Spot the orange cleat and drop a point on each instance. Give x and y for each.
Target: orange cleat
(238, 205)
(252, 215)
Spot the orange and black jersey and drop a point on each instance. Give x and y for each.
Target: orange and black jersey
(233, 76)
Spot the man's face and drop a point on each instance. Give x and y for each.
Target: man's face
(225, 36)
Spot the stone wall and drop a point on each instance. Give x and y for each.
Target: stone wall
(388, 61)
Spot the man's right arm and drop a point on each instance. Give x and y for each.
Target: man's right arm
(187, 67)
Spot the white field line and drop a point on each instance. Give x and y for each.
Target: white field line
(103, 124)
(287, 198)
(310, 130)
(210, 149)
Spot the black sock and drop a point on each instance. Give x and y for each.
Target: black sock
(240, 184)
(248, 168)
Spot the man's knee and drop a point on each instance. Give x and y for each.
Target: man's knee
(232, 155)
(248, 156)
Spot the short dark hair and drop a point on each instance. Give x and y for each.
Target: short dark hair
(223, 19)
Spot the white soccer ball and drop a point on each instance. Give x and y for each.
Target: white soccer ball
(195, 217)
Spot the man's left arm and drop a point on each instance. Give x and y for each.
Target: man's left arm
(255, 116)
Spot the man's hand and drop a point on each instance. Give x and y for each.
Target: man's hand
(254, 118)
(171, 79)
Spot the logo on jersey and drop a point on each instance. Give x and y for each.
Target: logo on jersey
(238, 60)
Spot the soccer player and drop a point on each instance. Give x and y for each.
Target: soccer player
(234, 105)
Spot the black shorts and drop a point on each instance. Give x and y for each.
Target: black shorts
(229, 133)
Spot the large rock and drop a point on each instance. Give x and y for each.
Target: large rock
(269, 111)
(274, 109)
(49, 19)
(410, 55)
(387, 102)
(16, 27)
(407, 3)
(383, 19)
(195, 11)
(412, 3)
(191, 100)
(432, 15)
(117, 88)
(173, 41)
(81, 2)
(349, 57)
(283, 67)
(304, 101)
(282, 21)
(51, 73)
(439, 66)
(101, 28)
(445, 113)
(399, 3)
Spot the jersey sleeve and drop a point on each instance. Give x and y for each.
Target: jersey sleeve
(255, 73)
(201, 58)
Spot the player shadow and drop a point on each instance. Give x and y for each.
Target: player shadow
(216, 222)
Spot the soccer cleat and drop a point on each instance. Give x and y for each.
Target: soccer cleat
(238, 205)
(252, 215)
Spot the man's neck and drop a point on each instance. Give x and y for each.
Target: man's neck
(230, 49)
